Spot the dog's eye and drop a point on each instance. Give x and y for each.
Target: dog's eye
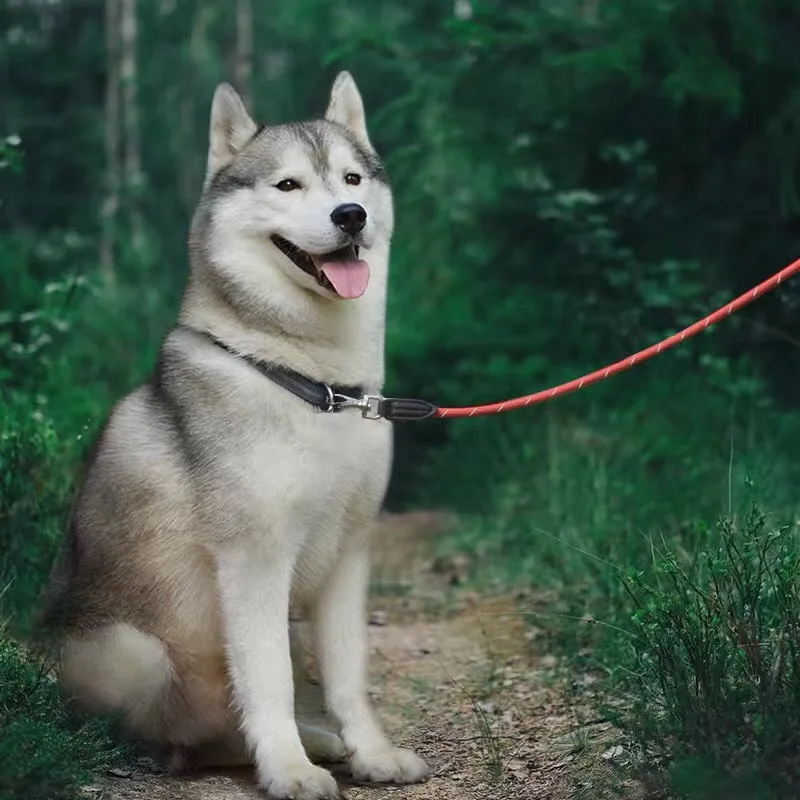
(352, 178)
(287, 185)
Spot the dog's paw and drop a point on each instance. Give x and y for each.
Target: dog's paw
(388, 765)
(300, 782)
(322, 745)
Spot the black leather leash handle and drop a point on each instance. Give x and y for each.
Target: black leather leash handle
(406, 409)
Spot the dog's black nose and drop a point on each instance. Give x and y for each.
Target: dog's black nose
(350, 217)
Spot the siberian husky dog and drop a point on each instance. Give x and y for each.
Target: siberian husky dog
(218, 504)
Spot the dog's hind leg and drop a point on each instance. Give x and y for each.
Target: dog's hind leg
(118, 668)
(322, 746)
(318, 733)
(162, 698)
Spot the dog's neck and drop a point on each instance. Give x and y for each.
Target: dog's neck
(336, 341)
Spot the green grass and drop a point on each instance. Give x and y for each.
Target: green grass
(716, 661)
(44, 753)
(608, 503)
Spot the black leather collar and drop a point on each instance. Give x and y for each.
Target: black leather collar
(328, 397)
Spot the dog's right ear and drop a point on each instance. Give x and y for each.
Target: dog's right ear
(230, 130)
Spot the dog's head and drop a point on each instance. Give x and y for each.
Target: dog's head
(309, 199)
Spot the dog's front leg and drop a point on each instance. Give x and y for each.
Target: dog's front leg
(254, 587)
(342, 648)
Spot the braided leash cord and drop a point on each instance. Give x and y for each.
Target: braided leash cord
(626, 363)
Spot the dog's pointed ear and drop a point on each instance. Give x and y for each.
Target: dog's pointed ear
(230, 130)
(347, 108)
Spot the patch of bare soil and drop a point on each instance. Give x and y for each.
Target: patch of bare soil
(454, 676)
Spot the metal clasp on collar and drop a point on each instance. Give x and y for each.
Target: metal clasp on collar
(370, 404)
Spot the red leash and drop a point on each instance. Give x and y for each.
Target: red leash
(606, 372)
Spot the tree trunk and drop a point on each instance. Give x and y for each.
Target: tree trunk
(110, 205)
(591, 11)
(244, 50)
(191, 169)
(130, 116)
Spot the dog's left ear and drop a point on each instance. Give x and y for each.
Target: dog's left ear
(347, 108)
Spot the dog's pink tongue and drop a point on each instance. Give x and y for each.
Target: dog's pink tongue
(349, 278)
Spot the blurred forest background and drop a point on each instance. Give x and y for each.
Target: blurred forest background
(574, 179)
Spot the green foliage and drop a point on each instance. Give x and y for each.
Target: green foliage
(10, 155)
(44, 755)
(35, 489)
(717, 663)
(60, 371)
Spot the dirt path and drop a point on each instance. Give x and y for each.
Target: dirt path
(454, 676)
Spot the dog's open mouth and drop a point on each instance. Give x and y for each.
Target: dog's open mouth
(340, 271)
